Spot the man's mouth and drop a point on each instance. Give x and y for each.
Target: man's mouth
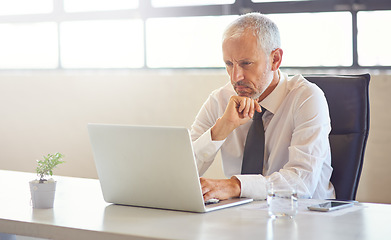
(242, 84)
(242, 87)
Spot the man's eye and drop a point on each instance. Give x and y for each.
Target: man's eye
(247, 63)
(228, 64)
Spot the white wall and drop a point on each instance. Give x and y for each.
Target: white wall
(46, 112)
(376, 178)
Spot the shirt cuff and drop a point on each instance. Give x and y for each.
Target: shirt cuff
(205, 148)
(252, 186)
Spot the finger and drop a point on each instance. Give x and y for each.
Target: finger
(205, 191)
(204, 187)
(208, 196)
(242, 104)
(257, 106)
(207, 188)
(247, 108)
(252, 109)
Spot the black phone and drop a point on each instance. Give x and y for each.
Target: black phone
(330, 206)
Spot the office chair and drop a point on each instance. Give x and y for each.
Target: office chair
(348, 101)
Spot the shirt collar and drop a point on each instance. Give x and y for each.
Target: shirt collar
(273, 101)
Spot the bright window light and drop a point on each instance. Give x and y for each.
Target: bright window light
(186, 42)
(98, 5)
(17, 7)
(259, 1)
(315, 39)
(29, 46)
(102, 44)
(373, 40)
(174, 3)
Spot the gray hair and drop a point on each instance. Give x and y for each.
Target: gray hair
(262, 27)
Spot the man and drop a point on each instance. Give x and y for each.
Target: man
(296, 119)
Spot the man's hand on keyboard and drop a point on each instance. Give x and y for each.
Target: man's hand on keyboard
(221, 189)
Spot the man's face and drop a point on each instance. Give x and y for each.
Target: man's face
(247, 65)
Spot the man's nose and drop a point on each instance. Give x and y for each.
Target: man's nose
(237, 73)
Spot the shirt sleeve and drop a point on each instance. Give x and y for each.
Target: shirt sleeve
(205, 149)
(253, 186)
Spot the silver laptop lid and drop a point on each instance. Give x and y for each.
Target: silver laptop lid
(146, 166)
(149, 167)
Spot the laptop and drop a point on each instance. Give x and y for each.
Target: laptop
(149, 166)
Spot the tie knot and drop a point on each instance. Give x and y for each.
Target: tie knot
(258, 115)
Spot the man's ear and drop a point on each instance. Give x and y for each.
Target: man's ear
(276, 58)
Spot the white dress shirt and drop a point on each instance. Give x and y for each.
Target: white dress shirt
(297, 151)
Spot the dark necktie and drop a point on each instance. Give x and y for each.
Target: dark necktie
(255, 146)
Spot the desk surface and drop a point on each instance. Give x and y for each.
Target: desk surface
(81, 213)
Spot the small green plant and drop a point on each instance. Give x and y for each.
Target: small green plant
(45, 167)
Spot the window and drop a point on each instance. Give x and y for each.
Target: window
(14, 7)
(102, 44)
(29, 45)
(98, 5)
(134, 34)
(265, 1)
(171, 3)
(374, 48)
(326, 40)
(185, 42)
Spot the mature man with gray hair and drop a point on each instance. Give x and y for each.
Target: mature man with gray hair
(296, 120)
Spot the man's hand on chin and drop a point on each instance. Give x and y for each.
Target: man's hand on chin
(221, 189)
(239, 111)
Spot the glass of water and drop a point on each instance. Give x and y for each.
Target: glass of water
(281, 200)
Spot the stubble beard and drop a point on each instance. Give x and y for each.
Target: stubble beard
(253, 92)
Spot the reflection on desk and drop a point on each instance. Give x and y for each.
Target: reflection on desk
(80, 213)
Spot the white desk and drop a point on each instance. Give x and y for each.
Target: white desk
(80, 213)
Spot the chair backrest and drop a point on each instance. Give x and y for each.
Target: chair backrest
(348, 101)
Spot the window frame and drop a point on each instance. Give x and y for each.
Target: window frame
(146, 11)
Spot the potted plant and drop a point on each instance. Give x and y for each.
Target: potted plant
(43, 189)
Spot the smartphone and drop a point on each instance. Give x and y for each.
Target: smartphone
(330, 206)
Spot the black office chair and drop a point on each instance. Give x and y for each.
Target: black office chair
(348, 101)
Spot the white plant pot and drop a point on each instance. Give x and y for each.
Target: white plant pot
(42, 194)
